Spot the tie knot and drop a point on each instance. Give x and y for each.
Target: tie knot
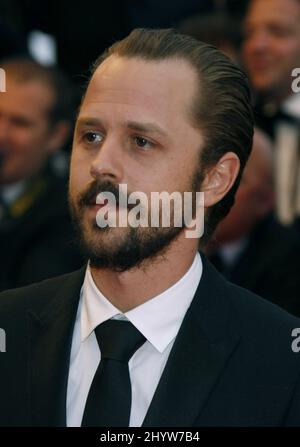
(118, 340)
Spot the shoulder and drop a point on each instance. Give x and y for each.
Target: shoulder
(36, 294)
(248, 304)
(262, 325)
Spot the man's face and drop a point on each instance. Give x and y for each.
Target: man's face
(272, 44)
(24, 129)
(134, 128)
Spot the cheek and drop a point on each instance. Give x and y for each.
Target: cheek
(288, 50)
(25, 152)
(25, 142)
(79, 174)
(247, 48)
(20, 141)
(248, 204)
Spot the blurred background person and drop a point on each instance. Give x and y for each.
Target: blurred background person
(36, 234)
(219, 30)
(271, 51)
(250, 247)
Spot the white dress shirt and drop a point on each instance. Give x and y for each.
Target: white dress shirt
(286, 163)
(158, 319)
(230, 252)
(11, 193)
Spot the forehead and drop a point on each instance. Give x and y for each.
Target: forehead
(274, 11)
(159, 87)
(30, 97)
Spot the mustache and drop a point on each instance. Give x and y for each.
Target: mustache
(88, 197)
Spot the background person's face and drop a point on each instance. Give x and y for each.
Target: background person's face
(134, 128)
(24, 129)
(254, 198)
(271, 48)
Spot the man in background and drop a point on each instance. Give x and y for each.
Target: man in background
(249, 246)
(220, 30)
(35, 121)
(271, 52)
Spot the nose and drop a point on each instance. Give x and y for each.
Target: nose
(257, 42)
(108, 162)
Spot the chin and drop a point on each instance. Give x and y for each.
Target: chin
(264, 84)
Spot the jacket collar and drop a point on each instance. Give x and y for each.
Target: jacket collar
(50, 337)
(205, 341)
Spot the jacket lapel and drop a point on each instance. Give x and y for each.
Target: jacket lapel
(202, 347)
(205, 341)
(50, 338)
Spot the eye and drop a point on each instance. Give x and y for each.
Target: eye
(143, 143)
(279, 31)
(93, 137)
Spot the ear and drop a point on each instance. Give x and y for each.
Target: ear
(220, 178)
(58, 136)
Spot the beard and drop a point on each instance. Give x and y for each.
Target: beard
(120, 249)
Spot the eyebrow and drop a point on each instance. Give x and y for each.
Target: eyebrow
(145, 127)
(133, 125)
(88, 122)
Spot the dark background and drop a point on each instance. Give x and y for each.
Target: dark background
(82, 29)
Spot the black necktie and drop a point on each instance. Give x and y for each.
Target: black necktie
(109, 400)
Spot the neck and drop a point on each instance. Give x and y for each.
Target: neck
(134, 287)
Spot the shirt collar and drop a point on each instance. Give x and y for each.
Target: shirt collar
(292, 105)
(158, 319)
(230, 252)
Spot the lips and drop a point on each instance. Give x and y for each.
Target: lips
(260, 64)
(97, 206)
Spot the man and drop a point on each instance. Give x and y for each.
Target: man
(179, 346)
(250, 247)
(219, 30)
(35, 228)
(271, 53)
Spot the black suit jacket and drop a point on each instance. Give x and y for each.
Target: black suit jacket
(38, 242)
(231, 363)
